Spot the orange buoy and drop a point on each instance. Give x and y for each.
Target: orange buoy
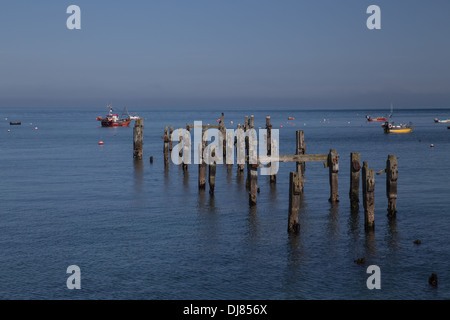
(100, 142)
(281, 126)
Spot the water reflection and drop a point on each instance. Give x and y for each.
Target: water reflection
(369, 245)
(138, 185)
(209, 224)
(333, 221)
(295, 250)
(392, 236)
(253, 230)
(166, 179)
(240, 177)
(353, 222)
(229, 173)
(186, 180)
(138, 176)
(273, 195)
(206, 202)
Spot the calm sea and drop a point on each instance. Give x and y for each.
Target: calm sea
(139, 232)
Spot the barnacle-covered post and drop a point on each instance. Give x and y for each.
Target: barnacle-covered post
(333, 166)
(391, 184)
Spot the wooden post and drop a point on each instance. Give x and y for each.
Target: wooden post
(240, 141)
(253, 184)
(355, 167)
(333, 165)
(391, 184)
(223, 131)
(212, 171)
(170, 138)
(229, 154)
(368, 180)
(294, 202)
(138, 138)
(273, 177)
(252, 167)
(247, 146)
(186, 149)
(167, 140)
(301, 149)
(202, 165)
(269, 135)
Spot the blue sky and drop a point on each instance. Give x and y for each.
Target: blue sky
(229, 53)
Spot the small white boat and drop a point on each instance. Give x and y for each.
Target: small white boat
(436, 120)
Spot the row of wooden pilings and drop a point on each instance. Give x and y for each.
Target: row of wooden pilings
(296, 178)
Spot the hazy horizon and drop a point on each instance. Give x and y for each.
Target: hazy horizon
(225, 54)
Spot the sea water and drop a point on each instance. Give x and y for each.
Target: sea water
(138, 231)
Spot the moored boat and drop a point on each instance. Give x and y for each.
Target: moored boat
(389, 127)
(379, 119)
(369, 118)
(436, 120)
(17, 123)
(113, 120)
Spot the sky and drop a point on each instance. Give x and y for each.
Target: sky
(225, 53)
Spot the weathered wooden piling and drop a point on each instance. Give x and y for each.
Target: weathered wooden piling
(229, 154)
(333, 165)
(240, 154)
(223, 131)
(170, 138)
(138, 138)
(269, 135)
(273, 177)
(212, 170)
(253, 188)
(167, 140)
(391, 184)
(355, 167)
(252, 168)
(202, 163)
(294, 202)
(368, 180)
(301, 149)
(186, 148)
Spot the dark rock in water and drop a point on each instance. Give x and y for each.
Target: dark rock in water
(360, 260)
(417, 241)
(258, 190)
(432, 280)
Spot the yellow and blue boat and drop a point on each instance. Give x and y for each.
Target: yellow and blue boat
(389, 127)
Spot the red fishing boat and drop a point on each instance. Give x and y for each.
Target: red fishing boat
(369, 118)
(383, 119)
(113, 120)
